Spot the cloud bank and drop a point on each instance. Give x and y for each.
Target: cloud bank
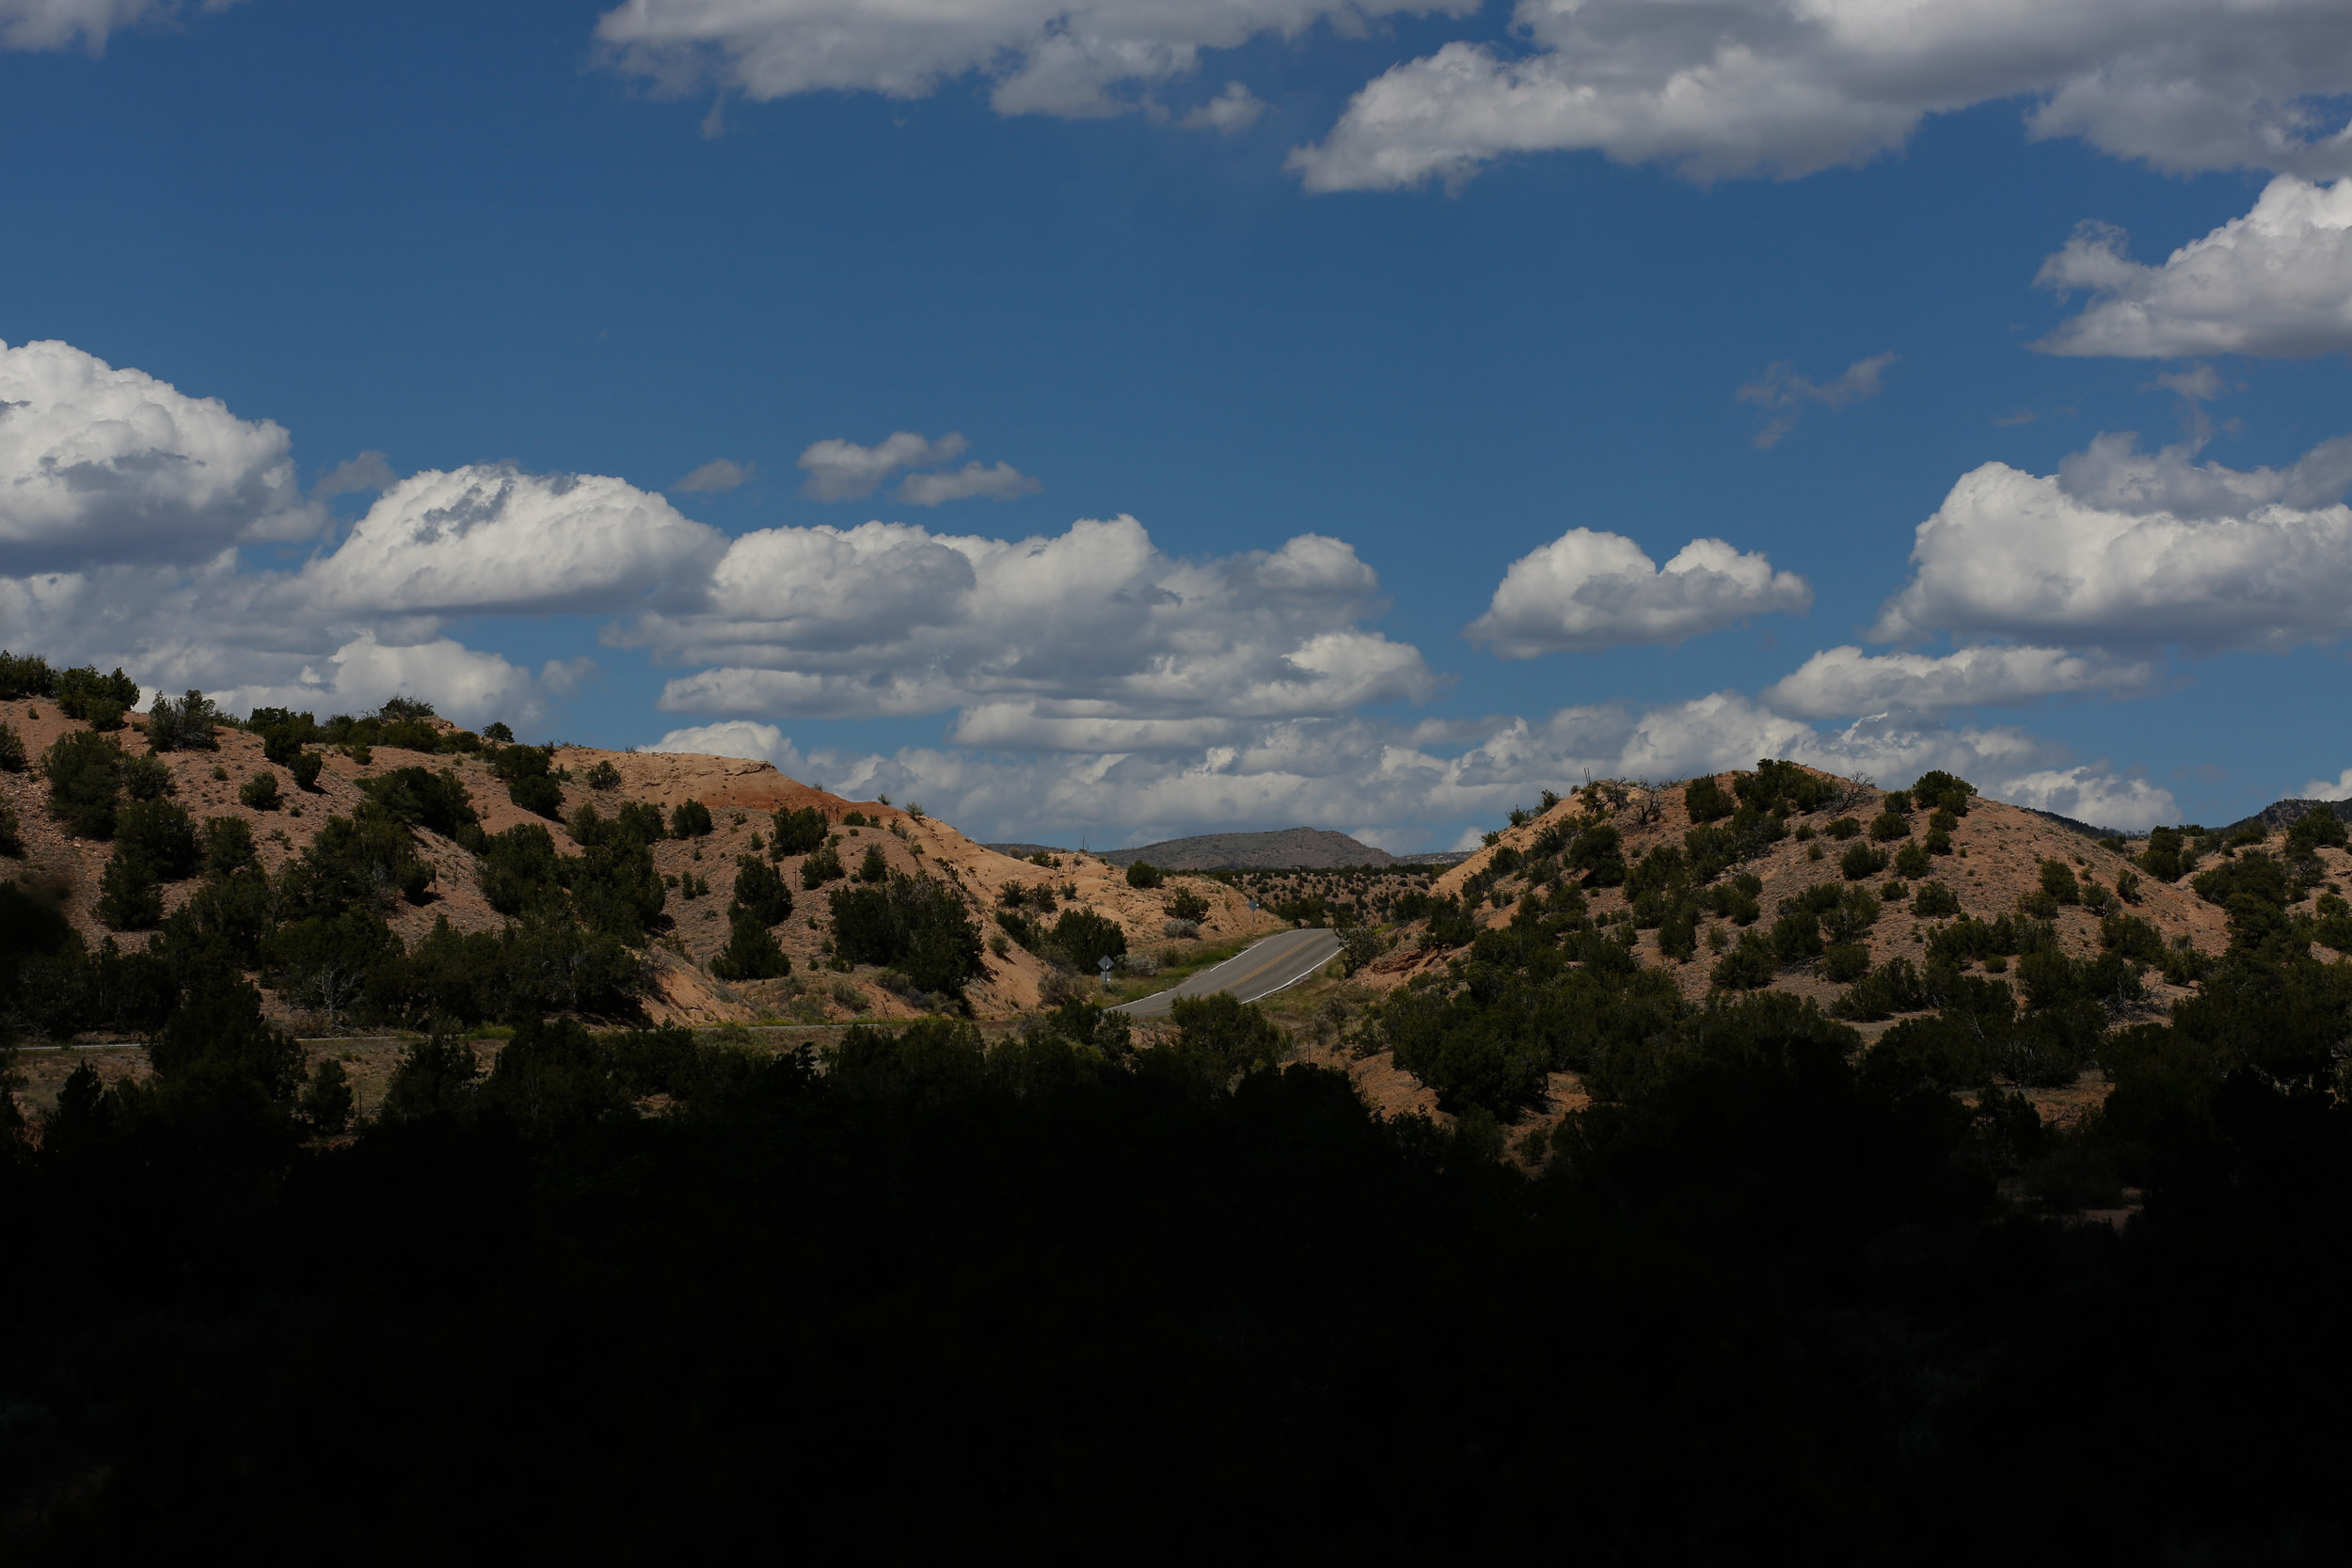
(1840, 681)
(1080, 58)
(1787, 88)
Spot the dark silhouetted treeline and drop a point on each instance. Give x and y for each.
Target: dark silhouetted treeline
(627, 1295)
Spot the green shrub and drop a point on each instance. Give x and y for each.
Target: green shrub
(1082, 939)
(326, 1103)
(1142, 873)
(1943, 791)
(129, 893)
(2059, 884)
(1913, 861)
(690, 819)
(260, 792)
(1860, 861)
(1796, 936)
(1187, 905)
(604, 775)
(1844, 827)
(26, 675)
(751, 952)
(797, 833)
(1886, 827)
(11, 832)
(1219, 1038)
(84, 693)
(11, 747)
(227, 846)
(1678, 933)
(147, 777)
(355, 863)
(84, 771)
(304, 768)
(1598, 853)
(873, 868)
(1894, 987)
(2166, 858)
(1934, 898)
(912, 925)
(438, 802)
(1849, 917)
(758, 887)
(823, 865)
(435, 1080)
(539, 794)
(519, 869)
(1845, 962)
(163, 833)
(186, 725)
(1779, 783)
(1748, 966)
(2315, 829)
(1705, 800)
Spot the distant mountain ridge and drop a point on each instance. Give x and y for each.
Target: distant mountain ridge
(1286, 847)
(2284, 814)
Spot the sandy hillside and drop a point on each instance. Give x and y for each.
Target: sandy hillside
(1997, 852)
(68, 869)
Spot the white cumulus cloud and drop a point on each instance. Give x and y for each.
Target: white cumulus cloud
(1845, 680)
(2126, 548)
(2340, 789)
(719, 474)
(2275, 283)
(736, 737)
(104, 464)
(1588, 590)
(488, 538)
(973, 481)
(1068, 641)
(1073, 57)
(1790, 87)
(843, 470)
(80, 24)
(2093, 795)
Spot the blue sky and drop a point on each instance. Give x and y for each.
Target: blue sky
(1247, 362)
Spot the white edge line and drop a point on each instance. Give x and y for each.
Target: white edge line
(1287, 984)
(1234, 960)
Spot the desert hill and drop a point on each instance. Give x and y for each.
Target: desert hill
(66, 871)
(1996, 858)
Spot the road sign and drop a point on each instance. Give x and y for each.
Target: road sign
(1104, 964)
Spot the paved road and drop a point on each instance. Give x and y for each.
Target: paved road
(1282, 959)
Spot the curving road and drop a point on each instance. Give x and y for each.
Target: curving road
(1261, 969)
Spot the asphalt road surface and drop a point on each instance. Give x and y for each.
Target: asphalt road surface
(1282, 959)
